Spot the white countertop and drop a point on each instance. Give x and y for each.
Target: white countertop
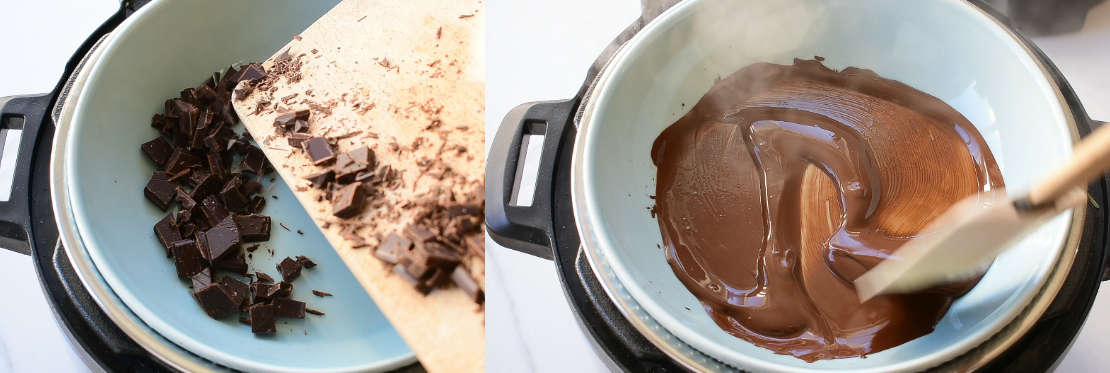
(540, 51)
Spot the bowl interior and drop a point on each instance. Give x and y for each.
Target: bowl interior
(948, 49)
(165, 47)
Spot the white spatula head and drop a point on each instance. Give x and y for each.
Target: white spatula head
(959, 244)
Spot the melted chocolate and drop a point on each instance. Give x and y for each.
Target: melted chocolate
(785, 183)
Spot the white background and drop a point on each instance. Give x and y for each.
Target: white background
(536, 51)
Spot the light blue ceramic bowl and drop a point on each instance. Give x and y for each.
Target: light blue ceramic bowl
(947, 48)
(166, 46)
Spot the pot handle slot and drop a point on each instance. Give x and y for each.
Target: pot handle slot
(20, 120)
(519, 217)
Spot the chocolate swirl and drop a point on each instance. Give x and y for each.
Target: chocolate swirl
(785, 183)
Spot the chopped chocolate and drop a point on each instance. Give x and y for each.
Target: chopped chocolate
(232, 195)
(476, 244)
(314, 312)
(202, 278)
(321, 293)
(289, 268)
(462, 279)
(160, 190)
(392, 248)
(438, 278)
(400, 270)
(319, 150)
(284, 122)
(262, 276)
(181, 159)
(216, 164)
(253, 161)
(257, 204)
(281, 289)
(419, 233)
(321, 179)
(262, 292)
(347, 167)
(253, 228)
(262, 319)
(187, 258)
(158, 150)
(289, 308)
(251, 72)
(236, 263)
(223, 239)
(251, 187)
(238, 290)
(305, 261)
(297, 139)
(215, 301)
(300, 126)
(167, 232)
(348, 201)
(436, 255)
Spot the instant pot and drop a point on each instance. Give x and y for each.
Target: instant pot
(621, 328)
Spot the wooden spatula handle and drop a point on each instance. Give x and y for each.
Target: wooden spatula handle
(1090, 159)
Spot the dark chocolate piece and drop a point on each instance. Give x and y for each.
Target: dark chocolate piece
(253, 161)
(321, 179)
(305, 261)
(236, 263)
(253, 228)
(223, 239)
(158, 150)
(251, 187)
(289, 268)
(216, 165)
(262, 292)
(262, 276)
(289, 308)
(297, 139)
(462, 278)
(392, 248)
(400, 270)
(348, 201)
(208, 185)
(262, 319)
(419, 234)
(251, 72)
(257, 204)
(180, 160)
(187, 258)
(167, 232)
(321, 293)
(202, 278)
(347, 167)
(435, 254)
(238, 290)
(476, 244)
(319, 150)
(232, 195)
(215, 301)
(160, 190)
(300, 126)
(314, 312)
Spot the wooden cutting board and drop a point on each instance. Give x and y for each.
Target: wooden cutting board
(405, 78)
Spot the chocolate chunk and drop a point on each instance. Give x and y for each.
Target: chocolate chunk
(216, 165)
(305, 261)
(262, 292)
(158, 150)
(300, 126)
(346, 168)
(297, 139)
(251, 72)
(321, 293)
(253, 161)
(229, 79)
(438, 278)
(419, 285)
(180, 160)
(262, 276)
(314, 312)
(257, 204)
(262, 319)
(319, 150)
(284, 122)
(251, 187)
(418, 269)
(419, 233)
(435, 254)
(187, 258)
(363, 155)
(289, 268)
(392, 248)
(202, 278)
(160, 190)
(223, 239)
(321, 179)
(236, 263)
(238, 290)
(232, 195)
(281, 289)
(462, 278)
(289, 308)
(207, 186)
(214, 211)
(167, 232)
(476, 244)
(348, 201)
(253, 228)
(215, 301)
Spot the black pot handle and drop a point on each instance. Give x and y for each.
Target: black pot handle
(21, 118)
(525, 228)
(1095, 124)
